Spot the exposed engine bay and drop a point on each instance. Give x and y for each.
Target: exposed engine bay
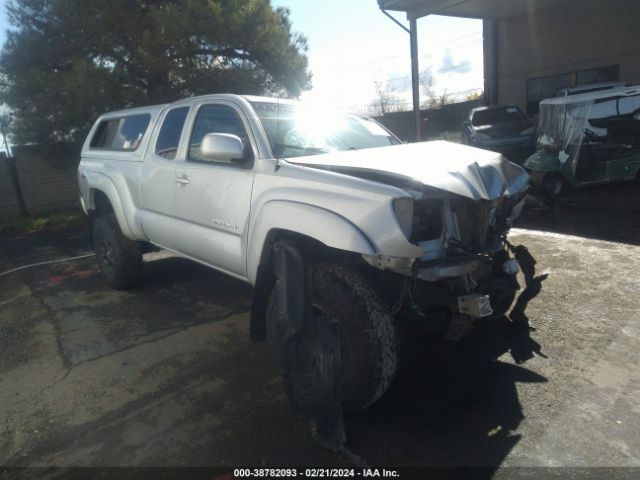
(466, 270)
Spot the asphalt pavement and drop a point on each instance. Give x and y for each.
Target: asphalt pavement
(166, 374)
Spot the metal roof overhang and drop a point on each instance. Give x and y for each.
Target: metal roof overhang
(489, 9)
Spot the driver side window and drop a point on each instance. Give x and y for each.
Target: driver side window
(216, 119)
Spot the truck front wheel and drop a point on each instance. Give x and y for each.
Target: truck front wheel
(368, 343)
(119, 258)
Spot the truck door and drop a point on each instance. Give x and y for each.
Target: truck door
(158, 178)
(212, 199)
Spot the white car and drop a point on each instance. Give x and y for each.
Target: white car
(329, 217)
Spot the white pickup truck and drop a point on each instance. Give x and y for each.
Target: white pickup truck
(352, 227)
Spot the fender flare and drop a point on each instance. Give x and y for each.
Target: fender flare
(102, 183)
(317, 223)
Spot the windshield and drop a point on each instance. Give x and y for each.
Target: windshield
(295, 131)
(497, 115)
(562, 125)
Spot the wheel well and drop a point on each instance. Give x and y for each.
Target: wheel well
(313, 251)
(101, 204)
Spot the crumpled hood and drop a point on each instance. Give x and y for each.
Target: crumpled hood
(468, 171)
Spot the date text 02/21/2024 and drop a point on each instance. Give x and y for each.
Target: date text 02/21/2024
(315, 473)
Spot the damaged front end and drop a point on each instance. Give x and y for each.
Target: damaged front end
(465, 272)
(448, 224)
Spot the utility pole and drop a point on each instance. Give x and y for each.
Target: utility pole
(5, 120)
(415, 68)
(415, 76)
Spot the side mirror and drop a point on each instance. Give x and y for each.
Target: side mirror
(222, 147)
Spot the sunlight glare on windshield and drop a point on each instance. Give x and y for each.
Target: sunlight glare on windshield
(316, 121)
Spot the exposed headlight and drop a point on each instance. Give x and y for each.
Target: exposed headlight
(403, 211)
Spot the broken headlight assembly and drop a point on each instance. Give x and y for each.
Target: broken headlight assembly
(403, 212)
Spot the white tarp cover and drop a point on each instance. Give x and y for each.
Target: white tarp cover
(562, 123)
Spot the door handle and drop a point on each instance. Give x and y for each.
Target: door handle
(182, 180)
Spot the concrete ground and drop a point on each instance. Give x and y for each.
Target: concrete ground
(166, 374)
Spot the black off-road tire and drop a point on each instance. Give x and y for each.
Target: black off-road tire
(368, 337)
(119, 258)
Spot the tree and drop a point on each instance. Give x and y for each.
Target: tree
(386, 100)
(432, 98)
(67, 61)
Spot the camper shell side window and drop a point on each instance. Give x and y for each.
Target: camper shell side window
(121, 133)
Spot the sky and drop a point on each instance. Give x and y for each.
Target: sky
(3, 20)
(352, 45)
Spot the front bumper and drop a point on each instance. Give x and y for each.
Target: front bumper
(450, 267)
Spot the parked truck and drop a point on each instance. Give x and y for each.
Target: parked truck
(339, 227)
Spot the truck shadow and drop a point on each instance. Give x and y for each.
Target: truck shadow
(456, 404)
(453, 404)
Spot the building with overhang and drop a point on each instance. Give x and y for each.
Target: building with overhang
(533, 48)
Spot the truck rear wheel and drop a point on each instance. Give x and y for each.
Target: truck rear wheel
(120, 259)
(368, 339)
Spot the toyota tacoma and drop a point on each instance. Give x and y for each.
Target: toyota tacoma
(347, 235)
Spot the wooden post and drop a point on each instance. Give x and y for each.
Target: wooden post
(17, 188)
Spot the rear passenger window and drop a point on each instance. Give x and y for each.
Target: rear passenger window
(170, 132)
(124, 133)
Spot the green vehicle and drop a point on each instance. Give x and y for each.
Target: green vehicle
(586, 139)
